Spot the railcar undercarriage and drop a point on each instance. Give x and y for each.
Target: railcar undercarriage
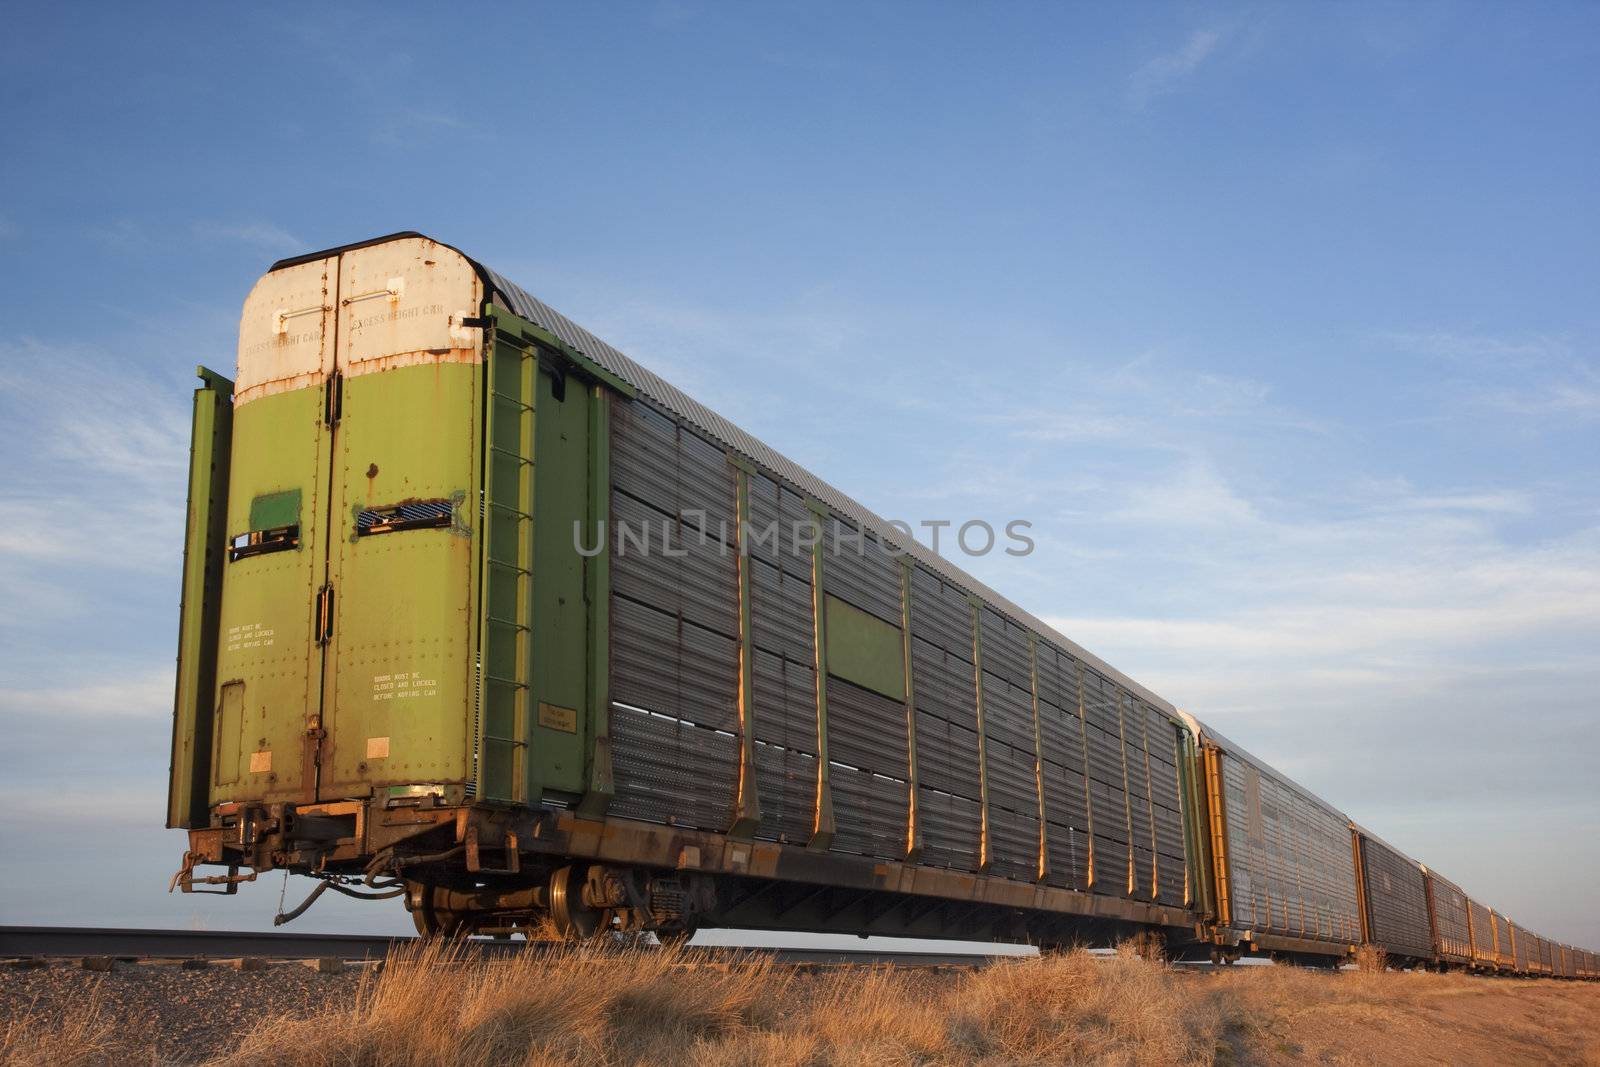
(465, 869)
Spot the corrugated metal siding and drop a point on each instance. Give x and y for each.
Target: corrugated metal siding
(944, 694)
(1132, 785)
(857, 570)
(786, 780)
(1485, 940)
(784, 689)
(674, 624)
(1108, 798)
(868, 769)
(866, 730)
(1450, 919)
(671, 771)
(1290, 864)
(1009, 758)
(786, 742)
(1162, 742)
(1397, 901)
(672, 400)
(1065, 788)
(1523, 950)
(870, 811)
(950, 828)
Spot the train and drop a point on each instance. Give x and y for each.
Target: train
(481, 614)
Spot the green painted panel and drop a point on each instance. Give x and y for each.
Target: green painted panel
(271, 511)
(398, 690)
(864, 649)
(204, 548)
(560, 618)
(265, 638)
(600, 786)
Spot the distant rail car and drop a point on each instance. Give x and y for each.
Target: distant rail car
(480, 613)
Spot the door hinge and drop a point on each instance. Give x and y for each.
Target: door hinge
(324, 614)
(333, 398)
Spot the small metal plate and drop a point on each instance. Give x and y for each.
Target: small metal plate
(555, 717)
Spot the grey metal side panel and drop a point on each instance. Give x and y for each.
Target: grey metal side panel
(670, 771)
(869, 769)
(698, 586)
(787, 781)
(780, 616)
(1005, 648)
(942, 685)
(1139, 804)
(784, 688)
(941, 615)
(1162, 741)
(949, 828)
(674, 401)
(860, 572)
(866, 730)
(674, 623)
(1114, 844)
(661, 663)
(947, 757)
(1397, 901)
(1484, 946)
(1061, 742)
(785, 696)
(869, 809)
(945, 700)
(1013, 843)
(1290, 862)
(1009, 751)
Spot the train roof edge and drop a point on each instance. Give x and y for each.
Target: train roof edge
(522, 303)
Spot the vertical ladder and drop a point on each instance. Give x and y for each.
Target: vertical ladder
(507, 658)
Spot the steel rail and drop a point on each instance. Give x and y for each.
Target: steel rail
(23, 942)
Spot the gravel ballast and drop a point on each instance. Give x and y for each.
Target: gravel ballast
(187, 1014)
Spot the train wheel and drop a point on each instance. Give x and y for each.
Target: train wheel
(574, 919)
(438, 923)
(430, 920)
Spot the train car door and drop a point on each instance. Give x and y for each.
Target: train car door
(269, 661)
(397, 683)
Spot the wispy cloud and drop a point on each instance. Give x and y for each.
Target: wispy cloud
(1476, 349)
(1579, 398)
(1507, 502)
(1166, 73)
(146, 694)
(1525, 375)
(90, 491)
(406, 126)
(258, 234)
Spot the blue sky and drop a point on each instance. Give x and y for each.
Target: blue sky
(1278, 323)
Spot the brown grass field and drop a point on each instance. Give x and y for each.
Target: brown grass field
(646, 1006)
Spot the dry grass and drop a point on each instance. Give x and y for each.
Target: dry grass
(84, 1035)
(644, 1006)
(1370, 959)
(586, 1006)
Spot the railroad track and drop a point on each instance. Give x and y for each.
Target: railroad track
(68, 942)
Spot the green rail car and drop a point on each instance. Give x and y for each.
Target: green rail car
(480, 612)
